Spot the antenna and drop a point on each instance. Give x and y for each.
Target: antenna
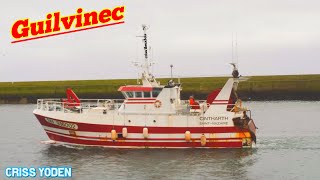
(152, 62)
(171, 66)
(138, 82)
(232, 48)
(236, 49)
(234, 63)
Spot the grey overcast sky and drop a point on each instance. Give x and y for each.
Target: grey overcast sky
(274, 37)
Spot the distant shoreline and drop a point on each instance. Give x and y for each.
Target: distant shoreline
(282, 87)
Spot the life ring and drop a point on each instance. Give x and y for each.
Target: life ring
(157, 104)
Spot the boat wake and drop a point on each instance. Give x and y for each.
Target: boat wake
(56, 144)
(48, 142)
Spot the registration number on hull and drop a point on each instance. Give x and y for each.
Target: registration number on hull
(62, 124)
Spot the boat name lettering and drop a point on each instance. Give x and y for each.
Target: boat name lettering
(215, 118)
(62, 124)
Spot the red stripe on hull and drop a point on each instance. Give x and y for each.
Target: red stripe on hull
(139, 139)
(144, 144)
(139, 129)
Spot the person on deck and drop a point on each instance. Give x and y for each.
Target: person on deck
(193, 103)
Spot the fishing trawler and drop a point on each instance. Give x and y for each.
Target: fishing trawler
(151, 116)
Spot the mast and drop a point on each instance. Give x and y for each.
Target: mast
(234, 58)
(235, 72)
(147, 78)
(146, 60)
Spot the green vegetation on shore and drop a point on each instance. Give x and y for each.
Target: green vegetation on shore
(296, 87)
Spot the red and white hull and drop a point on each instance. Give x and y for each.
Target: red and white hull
(158, 137)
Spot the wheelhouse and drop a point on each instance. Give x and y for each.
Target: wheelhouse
(140, 92)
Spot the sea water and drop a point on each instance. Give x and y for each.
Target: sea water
(288, 147)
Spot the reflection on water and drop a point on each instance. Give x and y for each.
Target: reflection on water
(288, 148)
(153, 163)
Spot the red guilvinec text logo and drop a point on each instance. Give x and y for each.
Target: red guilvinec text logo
(56, 24)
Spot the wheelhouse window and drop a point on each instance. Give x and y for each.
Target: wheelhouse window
(156, 92)
(130, 94)
(146, 94)
(138, 94)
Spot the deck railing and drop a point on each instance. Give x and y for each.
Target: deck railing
(58, 105)
(182, 108)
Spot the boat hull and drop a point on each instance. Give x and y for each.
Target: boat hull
(86, 134)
